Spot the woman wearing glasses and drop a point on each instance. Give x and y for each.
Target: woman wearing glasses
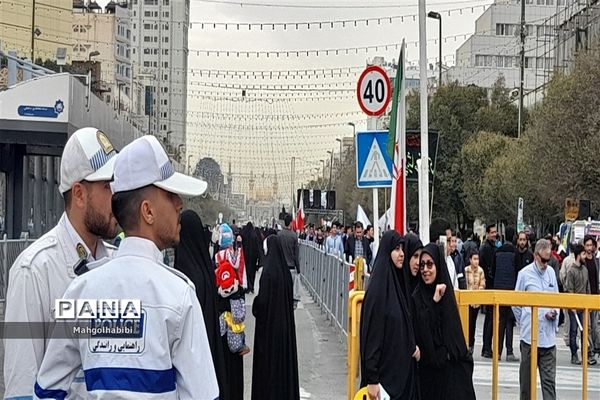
(388, 351)
(446, 366)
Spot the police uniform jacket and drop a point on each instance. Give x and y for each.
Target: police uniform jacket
(40, 274)
(167, 356)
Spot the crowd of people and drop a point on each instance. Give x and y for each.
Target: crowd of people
(410, 314)
(188, 339)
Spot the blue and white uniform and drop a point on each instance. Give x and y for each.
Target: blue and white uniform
(167, 357)
(38, 277)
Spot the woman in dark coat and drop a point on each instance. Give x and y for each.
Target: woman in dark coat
(412, 256)
(387, 343)
(252, 246)
(192, 258)
(275, 364)
(446, 366)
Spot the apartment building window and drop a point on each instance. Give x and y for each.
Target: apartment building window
(500, 61)
(148, 13)
(147, 39)
(165, 64)
(165, 52)
(151, 2)
(166, 27)
(166, 2)
(148, 26)
(166, 39)
(165, 89)
(166, 14)
(134, 26)
(164, 115)
(155, 64)
(147, 64)
(134, 13)
(165, 76)
(483, 61)
(505, 29)
(164, 102)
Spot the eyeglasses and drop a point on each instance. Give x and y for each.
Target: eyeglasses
(429, 264)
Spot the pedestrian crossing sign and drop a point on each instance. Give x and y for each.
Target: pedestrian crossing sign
(373, 163)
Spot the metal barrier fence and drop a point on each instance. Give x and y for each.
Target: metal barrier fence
(9, 251)
(495, 298)
(327, 279)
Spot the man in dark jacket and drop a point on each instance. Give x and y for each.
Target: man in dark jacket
(505, 278)
(469, 246)
(291, 252)
(488, 259)
(357, 245)
(458, 260)
(523, 256)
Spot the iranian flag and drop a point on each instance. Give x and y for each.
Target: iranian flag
(300, 215)
(397, 148)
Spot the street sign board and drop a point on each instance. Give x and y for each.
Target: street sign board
(571, 209)
(520, 222)
(374, 90)
(373, 164)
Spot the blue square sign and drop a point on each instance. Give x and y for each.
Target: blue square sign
(373, 163)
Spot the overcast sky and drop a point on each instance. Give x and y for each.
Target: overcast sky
(267, 147)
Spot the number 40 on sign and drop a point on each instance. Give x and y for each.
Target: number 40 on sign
(374, 90)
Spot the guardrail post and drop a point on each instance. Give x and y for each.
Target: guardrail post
(496, 352)
(533, 358)
(584, 351)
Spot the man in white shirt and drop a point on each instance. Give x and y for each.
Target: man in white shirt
(43, 271)
(167, 356)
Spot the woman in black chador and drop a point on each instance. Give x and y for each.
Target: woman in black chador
(446, 366)
(275, 366)
(252, 246)
(388, 350)
(192, 258)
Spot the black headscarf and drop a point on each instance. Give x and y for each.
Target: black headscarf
(446, 308)
(275, 362)
(446, 367)
(412, 243)
(192, 258)
(386, 334)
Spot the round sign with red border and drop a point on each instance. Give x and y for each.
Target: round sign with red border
(374, 90)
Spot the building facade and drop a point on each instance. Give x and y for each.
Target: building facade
(159, 54)
(52, 27)
(495, 46)
(107, 32)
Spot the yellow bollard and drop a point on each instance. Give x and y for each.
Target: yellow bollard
(359, 274)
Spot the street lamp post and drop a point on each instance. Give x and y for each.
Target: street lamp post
(353, 128)
(189, 160)
(323, 165)
(340, 140)
(330, 152)
(93, 54)
(438, 16)
(119, 85)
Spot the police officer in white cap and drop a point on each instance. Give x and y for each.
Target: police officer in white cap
(167, 356)
(44, 270)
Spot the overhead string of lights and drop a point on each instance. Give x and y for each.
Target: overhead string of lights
(329, 24)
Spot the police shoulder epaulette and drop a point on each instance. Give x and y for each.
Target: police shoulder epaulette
(36, 248)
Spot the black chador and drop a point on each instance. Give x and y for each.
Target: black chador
(275, 366)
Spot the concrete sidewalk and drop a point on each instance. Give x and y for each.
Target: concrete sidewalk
(321, 353)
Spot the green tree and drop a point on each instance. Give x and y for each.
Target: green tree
(501, 115)
(564, 134)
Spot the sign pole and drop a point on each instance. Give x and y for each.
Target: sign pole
(424, 167)
(376, 218)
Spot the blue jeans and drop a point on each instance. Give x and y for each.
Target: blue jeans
(573, 329)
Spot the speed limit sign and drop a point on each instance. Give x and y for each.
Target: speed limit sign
(374, 90)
